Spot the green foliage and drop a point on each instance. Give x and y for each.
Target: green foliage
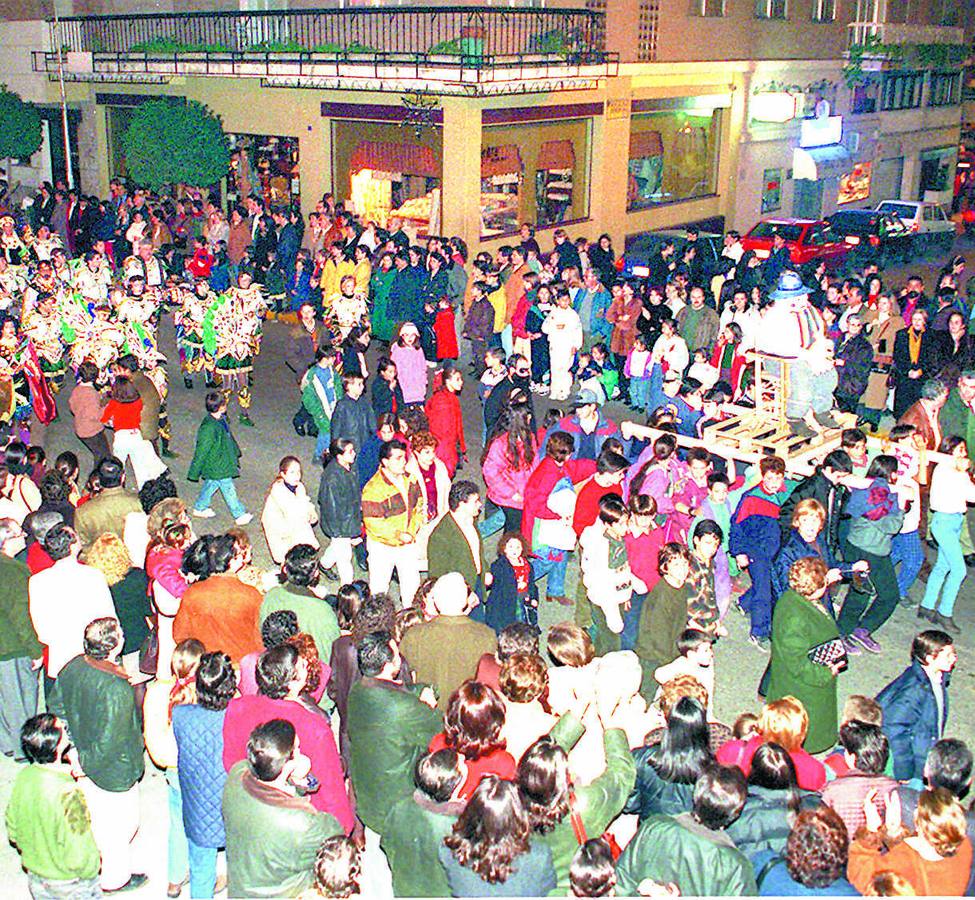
(20, 126)
(275, 47)
(170, 142)
(901, 56)
(446, 48)
(167, 45)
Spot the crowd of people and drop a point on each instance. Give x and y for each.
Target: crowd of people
(403, 682)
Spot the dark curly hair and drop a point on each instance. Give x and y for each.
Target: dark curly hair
(154, 490)
(818, 847)
(377, 613)
(474, 719)
(54, 489)
(216, 681)
(543, 782)
(492, 831)
(279, 627)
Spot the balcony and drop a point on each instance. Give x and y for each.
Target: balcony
(886, 33)
(460, 50)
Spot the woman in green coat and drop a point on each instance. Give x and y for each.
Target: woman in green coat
(379, 288)
(550, 799)
(800, 623)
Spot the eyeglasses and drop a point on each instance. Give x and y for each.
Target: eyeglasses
(523, 371)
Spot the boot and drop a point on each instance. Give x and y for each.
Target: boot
(246, 420)
(188, 382)
(165, 452)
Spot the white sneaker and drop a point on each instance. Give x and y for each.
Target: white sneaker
(245, 519)
(204, 513)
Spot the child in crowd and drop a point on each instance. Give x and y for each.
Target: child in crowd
(564, 329)
(608, 374)
(411, 364)
(538, 342)
(550, 420)
(702, 369)
(513, 595)
(695, 658)
(606, 572)
(445, 331)
(906, 551)
(643, 542)
(689, 494)
(856, 709)
(493, 372)
(479, 326)
(638, 366)
(717, 507)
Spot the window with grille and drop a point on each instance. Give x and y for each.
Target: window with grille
(708, 8)
(902, 90)
(599, 28)
(947, 14)
(647, 30)
(945, 88)
(770, 9)
(824, 10)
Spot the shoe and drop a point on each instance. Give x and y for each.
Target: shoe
(188, 384)
(801, 429)
(245, 419)
(762, 643)
(907, 603)
(329, 574)
(970, 560)
(166, 453)
(174, 890)
(135, 882)
(931, 543)
(852, 647)
(864, 639)
(927, 615)
(245, 519)
(561, 599)
(826, 419)
(204, 513)
(947, 623)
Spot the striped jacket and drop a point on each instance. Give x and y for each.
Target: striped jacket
(387, 510)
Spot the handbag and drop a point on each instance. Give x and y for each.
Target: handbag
(579, 829)
(149, 651)
(828, 652)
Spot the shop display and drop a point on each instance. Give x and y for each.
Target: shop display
(266, 164)
(553, 181)
(501, 177)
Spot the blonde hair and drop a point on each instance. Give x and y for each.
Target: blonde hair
(570, 645)
(784, 722)
(185, 662)
(681, 686)
(808, 507)
(862, 709)
(940, 820)
(807, 575)
(165, 513)
(523, 677)
(888, 884)
(109, 555)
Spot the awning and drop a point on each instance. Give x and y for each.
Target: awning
(820, 162)
(556, 155)
(644, 144)
(387, 156)
(504, 160)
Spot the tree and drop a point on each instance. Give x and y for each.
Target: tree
(20, 128)
(172, 142)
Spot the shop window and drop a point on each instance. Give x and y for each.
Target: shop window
(902, 90)
(936, 174)
(536, 173)
(390, 173)
(266, 165)
(673, 157)
(945, 88)
(771, 9)
(824, 10)
(771, 190)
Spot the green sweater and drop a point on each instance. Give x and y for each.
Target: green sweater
(48, 820)
(597, 803)
(17, 638)
(217, 455)
(315, 616)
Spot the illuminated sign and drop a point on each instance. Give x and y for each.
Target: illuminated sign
(776, 106)
(821, 132)
(855, 185)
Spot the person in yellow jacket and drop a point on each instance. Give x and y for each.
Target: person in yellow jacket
(335, 269)
(393, 510)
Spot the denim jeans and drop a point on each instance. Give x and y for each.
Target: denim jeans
(177, 865)
(554, 568)
(203, 870)
(631, 622)
(949, 569)
(226, 487)
(906, 549)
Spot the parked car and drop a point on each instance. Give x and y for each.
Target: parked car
(927, 221)
(806, 239)
(640, 248)
(873, 236)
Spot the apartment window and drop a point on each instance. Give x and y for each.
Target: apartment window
(945, 88)
(707, 8)
(863, 99)
(824, 10)
(647, 30)
(902, 90)
(770, 9)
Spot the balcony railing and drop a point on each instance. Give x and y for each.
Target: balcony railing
(475, 33)
(888, 33)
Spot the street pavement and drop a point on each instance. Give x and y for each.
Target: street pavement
(738, 664)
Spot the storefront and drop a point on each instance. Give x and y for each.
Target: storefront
(937, 173)
(267, 165)
(386, 170)
(673, 149)
(535, 166)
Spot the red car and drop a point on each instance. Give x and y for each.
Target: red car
(807, 240)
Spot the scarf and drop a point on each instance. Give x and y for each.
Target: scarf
(881, 501)
(914, 344)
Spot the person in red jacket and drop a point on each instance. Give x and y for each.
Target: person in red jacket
(445, 331)
(445, 418)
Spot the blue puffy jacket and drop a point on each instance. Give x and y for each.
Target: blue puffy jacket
(911, 720)
(199, 739)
